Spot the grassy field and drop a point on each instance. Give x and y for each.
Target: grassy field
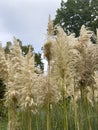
(83, 117)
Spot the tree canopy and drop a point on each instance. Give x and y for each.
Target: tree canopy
(75, 13)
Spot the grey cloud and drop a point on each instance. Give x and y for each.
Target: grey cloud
(27, 19)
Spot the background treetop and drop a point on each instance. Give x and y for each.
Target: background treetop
(74, 13)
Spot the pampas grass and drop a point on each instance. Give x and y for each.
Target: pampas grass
(52, 92)
(3, 65)
(64, 99)
(14, 61)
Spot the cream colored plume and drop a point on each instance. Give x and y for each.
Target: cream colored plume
(50, 30)
(48, 44)
(14, 61)
(61, 58)
(28, 80)
(46, 92)
(85, 35)
(3, 65)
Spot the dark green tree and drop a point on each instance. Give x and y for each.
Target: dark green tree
(7, 47)
(2, 88)
(74, 13)
(2, 91)
(38, 61)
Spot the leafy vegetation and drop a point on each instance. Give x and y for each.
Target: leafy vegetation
(75, 13)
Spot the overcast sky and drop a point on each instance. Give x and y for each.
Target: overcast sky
(26, 20)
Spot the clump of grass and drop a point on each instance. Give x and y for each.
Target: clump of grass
(66, 98)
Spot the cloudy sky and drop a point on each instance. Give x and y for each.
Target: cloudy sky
(26, 20)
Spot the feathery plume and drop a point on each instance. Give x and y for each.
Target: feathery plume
(3, 65)
(12, 94)
(50, 30)
(85, 35)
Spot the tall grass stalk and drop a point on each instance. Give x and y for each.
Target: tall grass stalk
(29, 119)
(48, 117)
(48, 100)
(64, 111)
(75, 109)
(48, 55)
(12, 116)
(87, 113)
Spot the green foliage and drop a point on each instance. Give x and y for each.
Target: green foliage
(25, 49)
(7, 47)
(84, 112)
(2, 89)
(74, 13)
(38, 61)
(3, 125)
